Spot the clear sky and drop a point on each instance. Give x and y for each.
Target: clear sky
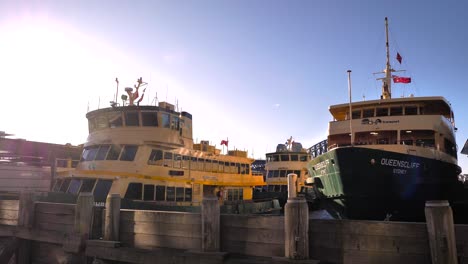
(253, 71)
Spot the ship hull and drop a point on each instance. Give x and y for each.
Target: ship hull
(362, 183)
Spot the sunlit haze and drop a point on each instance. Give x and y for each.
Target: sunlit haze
(255, 72)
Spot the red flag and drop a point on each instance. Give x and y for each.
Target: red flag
(398, 57)
(224, 142)
(398, 79)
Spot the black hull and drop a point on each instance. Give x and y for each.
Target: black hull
(361, 183)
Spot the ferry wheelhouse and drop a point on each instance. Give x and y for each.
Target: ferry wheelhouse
(387, 157)
(146, 153)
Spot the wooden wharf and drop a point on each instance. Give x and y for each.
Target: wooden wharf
(33, 230)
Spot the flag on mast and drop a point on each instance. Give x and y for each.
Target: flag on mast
(398, 79)
(398, 57)
(225, 142)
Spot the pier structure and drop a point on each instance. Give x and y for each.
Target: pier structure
(36, 230)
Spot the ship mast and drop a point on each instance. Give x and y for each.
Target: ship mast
(387, 80)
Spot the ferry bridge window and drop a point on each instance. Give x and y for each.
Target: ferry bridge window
(242, 168)
(233, 168)
(275, 174)
(114, 152)
(188, 194)
(193, 163)
(160, 193)
(382, 111)
(177, 160)
(201, 164)
(168, 159)
(215, 166)
(175, 123)
(148, 192)
(238, 168)
(185, 162)
(368, 113)
(170, 194)
(57, 184)
(294, 157)
(87, 185)
(115, 120)
(129, 152)
(134, 191)
(131, 119)
(101, 190)
(102, 152)
(207, 165)
(284, 157)
(411, 110)
(247, 169)
(226, 167)
(275, 158)
(74, 186)
(149, 119)
(65, 184)
(303, 157)
(396, 111)
(282, 173)
(180, 194)
(89, 153)
(356, 114)
(156, 157)
(270, 174)
(165, 120)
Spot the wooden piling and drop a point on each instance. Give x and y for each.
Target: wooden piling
(210, 216)
(112, 219)
(296, 228)
(84, 214)
(25, 220)
(292, 185)
(441, 232)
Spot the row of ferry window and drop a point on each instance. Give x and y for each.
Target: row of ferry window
(173, 160)
(99, 187)
(282, 173)
(149, 192)
(134, 118)
(387, 111)
(110, 152)
(287, 157)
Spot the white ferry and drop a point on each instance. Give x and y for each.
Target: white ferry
(147, 154)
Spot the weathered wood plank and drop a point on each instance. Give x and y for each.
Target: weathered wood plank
(53, 219)
(9, 214)
(140, 256)
(371, 257)
(9, 222)
(368, 227)
(159, 216)
(253, 221)
(371, 243)
(55, 208)
(158, 228)
(254, 235)
(9, 205)
(64, 228)
(154, 241)
(253, 248)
